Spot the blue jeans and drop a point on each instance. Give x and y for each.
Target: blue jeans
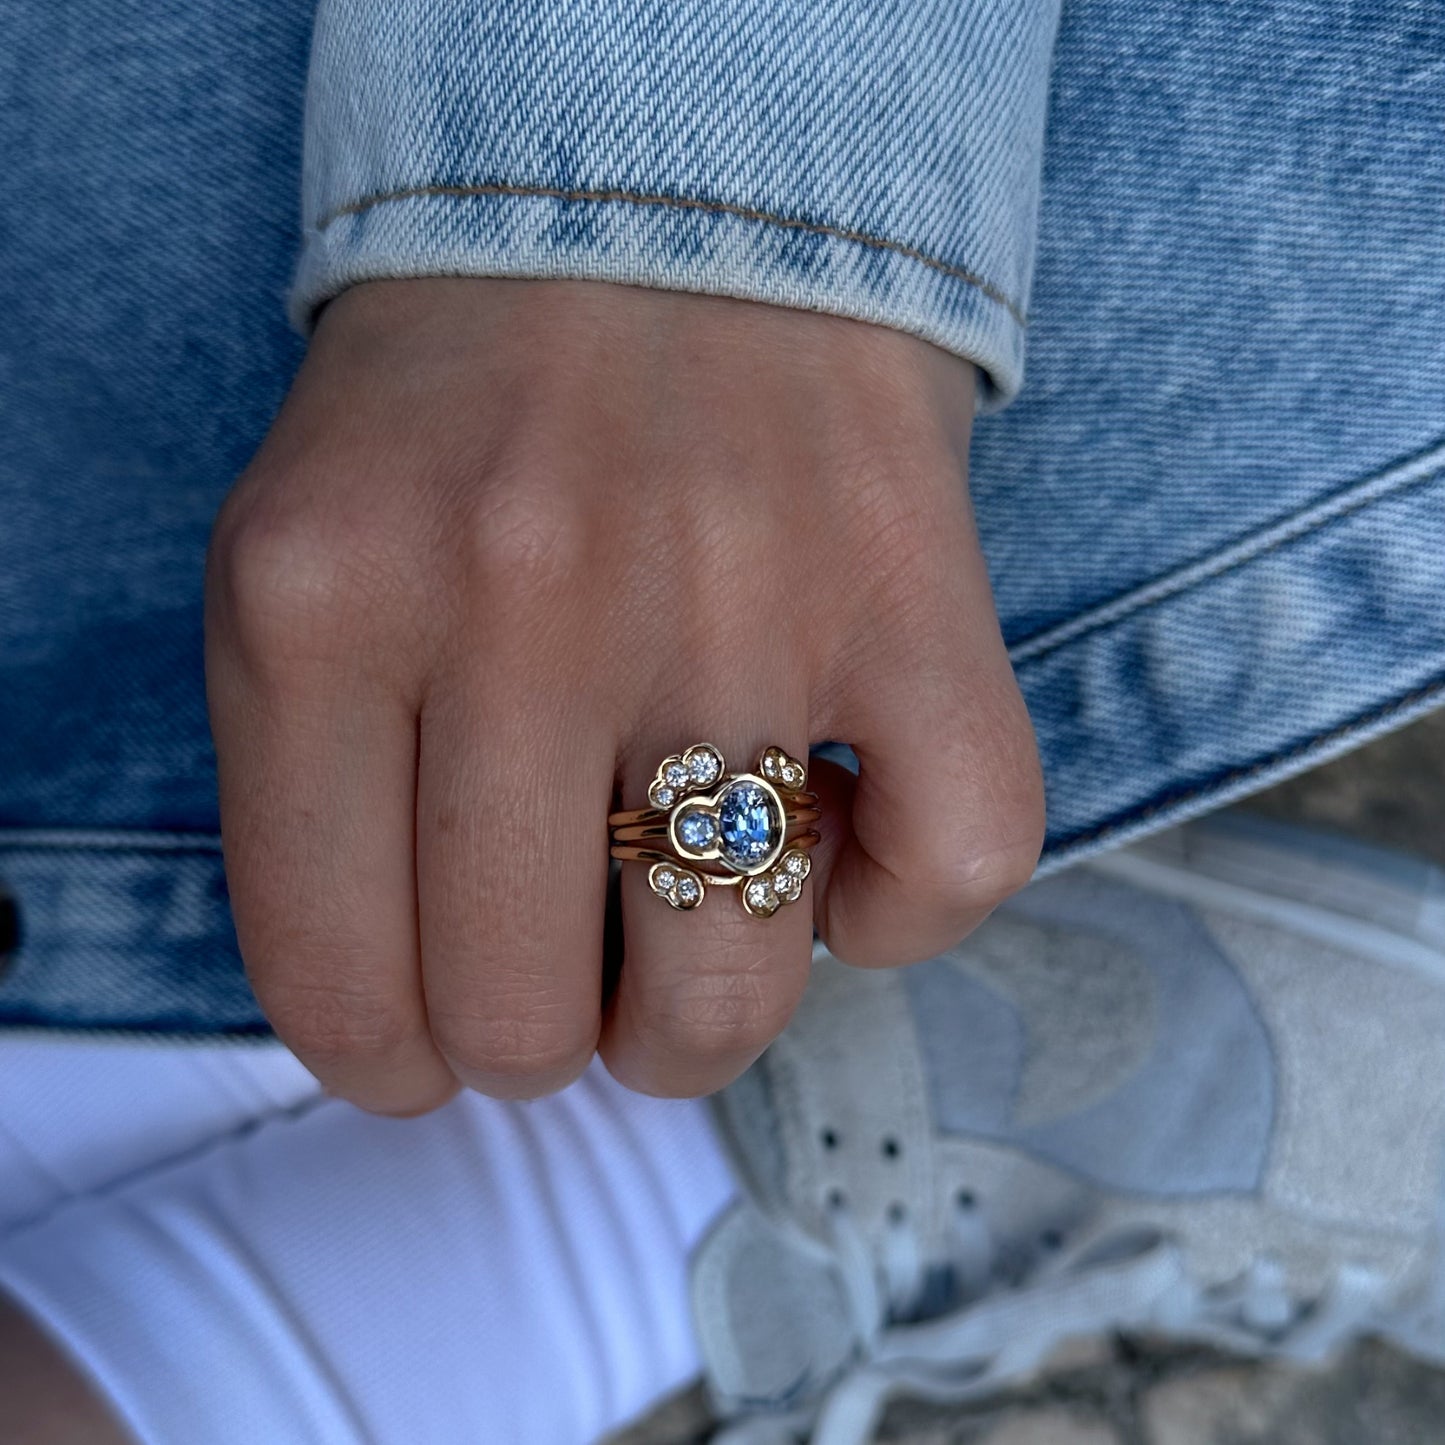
(1215, 517)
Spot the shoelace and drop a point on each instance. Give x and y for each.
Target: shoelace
(1121, 1282)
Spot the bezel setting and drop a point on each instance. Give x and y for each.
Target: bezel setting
(712, 804)
(701, 832)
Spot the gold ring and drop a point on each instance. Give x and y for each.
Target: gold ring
(705, 827)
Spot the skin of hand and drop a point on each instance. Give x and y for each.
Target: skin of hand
(48, 1401)
(508, 545)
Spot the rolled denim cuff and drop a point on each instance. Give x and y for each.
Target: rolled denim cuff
(821, 154)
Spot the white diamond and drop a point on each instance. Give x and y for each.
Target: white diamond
(792, 775)
(760, 893)
(688, 890)
(770, 766)
(676, 774)
(787, 885)
(663, 880)
(796, 864)
(703, 767)
(663, 797)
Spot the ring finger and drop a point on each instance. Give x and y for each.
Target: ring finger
(703, 990)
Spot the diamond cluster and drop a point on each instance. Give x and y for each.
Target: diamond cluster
(765, 894)
(699, 767)
(680, 886)
(781, 770)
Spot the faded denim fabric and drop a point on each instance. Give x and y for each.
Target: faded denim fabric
(1215, 516)
(878, 161)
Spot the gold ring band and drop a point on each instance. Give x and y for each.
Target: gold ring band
(650, 823)
(705, 827)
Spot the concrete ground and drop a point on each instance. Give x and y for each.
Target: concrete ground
(1116, 1392)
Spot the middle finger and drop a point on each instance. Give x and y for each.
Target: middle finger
(511, 883)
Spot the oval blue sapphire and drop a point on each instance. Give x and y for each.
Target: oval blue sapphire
(750, 824)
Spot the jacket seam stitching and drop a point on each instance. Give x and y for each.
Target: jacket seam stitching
(1312, 521)
(1171, 799)
(686, 203)
(125, 842)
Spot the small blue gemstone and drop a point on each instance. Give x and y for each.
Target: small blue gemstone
(697, 830)
(750, 824)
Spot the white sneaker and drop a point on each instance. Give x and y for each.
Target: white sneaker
(1194, 1087)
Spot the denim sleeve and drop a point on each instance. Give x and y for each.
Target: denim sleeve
(874, 160)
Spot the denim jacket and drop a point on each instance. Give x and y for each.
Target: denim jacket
(878, 161)
(1214, 517)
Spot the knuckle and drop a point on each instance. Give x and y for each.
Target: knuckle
(976, 854)
(714, 1018)
(412, 1105)
(524, 537)
(515, 1054)
(330, 1028)
(980, 871)
(971, 868)
(284, 583)
(998, 872)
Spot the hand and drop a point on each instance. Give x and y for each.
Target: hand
(511, 543)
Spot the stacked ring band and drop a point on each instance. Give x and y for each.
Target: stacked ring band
(706, 827)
